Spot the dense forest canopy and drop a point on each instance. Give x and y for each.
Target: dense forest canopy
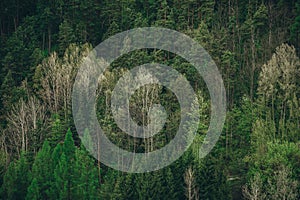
(255, 45)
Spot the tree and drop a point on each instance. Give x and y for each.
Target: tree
(16, 179)
(229, 69)
(254, 190)
(108, 185)
(63, 157)
(112, 30)
(211, 180)
(49, 18)
(7, 88)
(56, 133)
(4, 158)
(150, 185)
(254, 25)
(165, 16)
(282, 186)
(56, 77)
(206, 10)
(19, 48)
(278, 87)
(26, 121)
(277, 171)
(10, 95)
(42, 174)
(62, 179)
(86, 181)
(33, 192)
(295, 27)
(203, 35)
(191, 190)
(66, 35)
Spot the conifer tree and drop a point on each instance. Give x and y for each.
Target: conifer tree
(86, 182)
(33, 192)
(64, 169)
(17, 179)
(66, 35)
(42, 172)
(57, 131)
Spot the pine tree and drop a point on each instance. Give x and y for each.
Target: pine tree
(57, 131)
(63, 160)
(8, 93)
(211, 181)
(165, 16)
(33, 192)
(112, 30)
(295, 27)
(108, 184)
(55, 157)
(170, 184)
(206, 11)
(86, 180)
(42, 172)
(17, 179)
(62, 179)
(66, 35)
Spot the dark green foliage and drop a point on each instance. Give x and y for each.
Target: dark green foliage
(211, 179)
(8, 88)
(108, 185)
(42, 173)
(16, 179)
(66, 35)
(62, 178)
(57, 131)
(33, 192)
(295, 28)
(64, 170)
(259, 146)
(86, 176)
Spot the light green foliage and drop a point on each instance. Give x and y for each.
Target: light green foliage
(278, 88)
(278, 169)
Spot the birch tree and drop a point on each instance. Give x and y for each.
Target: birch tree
(25, 122)
(55, 77)
(254, 190)
(278, 87)
(191, 189)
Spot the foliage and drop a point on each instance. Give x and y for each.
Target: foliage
(255, 45)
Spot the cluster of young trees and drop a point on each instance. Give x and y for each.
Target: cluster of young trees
(255, 45)
(62, 172)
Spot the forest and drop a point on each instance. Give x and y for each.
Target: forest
(256, 47)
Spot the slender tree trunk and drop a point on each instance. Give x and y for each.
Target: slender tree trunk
(49, 39)
(253, 63)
